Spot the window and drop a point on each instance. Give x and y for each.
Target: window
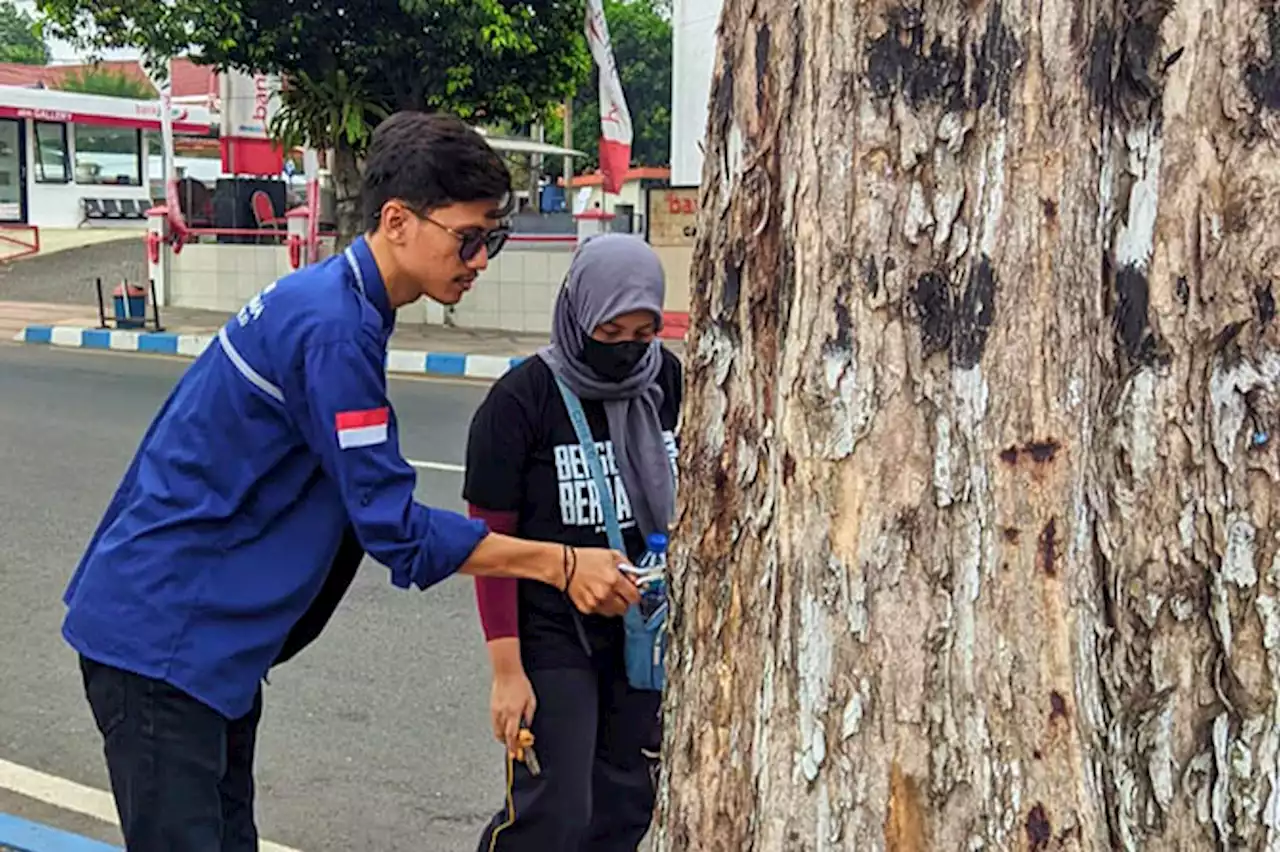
(108, 156)
(52, 163)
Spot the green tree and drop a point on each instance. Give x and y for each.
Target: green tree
(105, 81)
(348, 65)
(641, 34)
(19, 41)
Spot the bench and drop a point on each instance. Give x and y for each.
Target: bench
(115, 208)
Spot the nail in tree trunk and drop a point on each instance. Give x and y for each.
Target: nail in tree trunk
(977, 546)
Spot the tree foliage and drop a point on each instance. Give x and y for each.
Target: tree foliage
(350, 63)
(19, 40)
(641, 34)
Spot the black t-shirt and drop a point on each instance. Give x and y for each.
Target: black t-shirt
(523, 456)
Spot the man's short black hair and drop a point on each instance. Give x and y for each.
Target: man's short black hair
(429, 160)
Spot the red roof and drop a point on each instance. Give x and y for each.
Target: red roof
(189, 79)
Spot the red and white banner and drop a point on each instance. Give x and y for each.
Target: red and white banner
(249, 101)
(615, 118)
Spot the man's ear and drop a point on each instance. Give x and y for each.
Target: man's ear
(394, 221)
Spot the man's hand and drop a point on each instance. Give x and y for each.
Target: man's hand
(597, 586)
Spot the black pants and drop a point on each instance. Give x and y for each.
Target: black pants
(597, 741)
(182, 774)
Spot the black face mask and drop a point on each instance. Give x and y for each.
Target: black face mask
(613, 361)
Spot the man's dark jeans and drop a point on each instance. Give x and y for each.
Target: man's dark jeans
(182, 774)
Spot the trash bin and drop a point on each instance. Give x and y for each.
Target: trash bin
(130, 304)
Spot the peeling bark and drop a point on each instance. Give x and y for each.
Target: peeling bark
(977, 547)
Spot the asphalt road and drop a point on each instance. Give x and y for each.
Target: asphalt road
(374, 738)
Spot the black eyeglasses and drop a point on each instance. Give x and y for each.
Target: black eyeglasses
(473, 239)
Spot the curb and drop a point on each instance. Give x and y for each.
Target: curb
(24, 836)
(404, 361)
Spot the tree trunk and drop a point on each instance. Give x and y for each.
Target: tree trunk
(977, 546)
(346, 187)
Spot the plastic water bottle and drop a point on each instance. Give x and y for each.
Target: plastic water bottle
(653, 574)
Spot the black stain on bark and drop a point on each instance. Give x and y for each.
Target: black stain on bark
(1011, 535)
(1057, 706)
(788, 468)
(1266, 302)
(1262, 76)
(1124, 70)
(974, 315)
(1097, 77)
(1183, 289)
(994, 58)
(732, 287)
(763, 39)
(1039, 832)
(1130, 317)
(1042, 452)
(1047, 548)
(932, 298)
(1227, 336)
(900, 61)
(1050, 208)
(844, 326)
(960, 326)
(871, 276)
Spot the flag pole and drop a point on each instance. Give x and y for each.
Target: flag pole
(568, 158)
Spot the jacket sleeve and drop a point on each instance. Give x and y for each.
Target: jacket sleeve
(340, 405)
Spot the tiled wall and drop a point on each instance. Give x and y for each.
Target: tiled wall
(517, 291)
(221, 277)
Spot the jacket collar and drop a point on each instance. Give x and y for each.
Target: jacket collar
(369, 280)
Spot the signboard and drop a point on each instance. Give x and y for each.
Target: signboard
(248, 104)
(673, 217)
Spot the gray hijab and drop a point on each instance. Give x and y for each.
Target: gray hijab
(610, 275)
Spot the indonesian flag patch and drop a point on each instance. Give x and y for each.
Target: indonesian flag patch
(362, 428)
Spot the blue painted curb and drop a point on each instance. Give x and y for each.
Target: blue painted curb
(406, 361)
(28, 836)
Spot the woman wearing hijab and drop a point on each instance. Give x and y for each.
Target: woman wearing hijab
(596, 738)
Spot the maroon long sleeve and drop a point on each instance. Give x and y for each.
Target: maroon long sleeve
(496, 596)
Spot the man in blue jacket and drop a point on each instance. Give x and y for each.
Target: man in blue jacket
(273, 467)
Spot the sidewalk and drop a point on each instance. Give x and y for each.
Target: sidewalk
(415, 349)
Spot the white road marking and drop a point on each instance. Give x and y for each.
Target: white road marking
(441, 466)
(70, 796)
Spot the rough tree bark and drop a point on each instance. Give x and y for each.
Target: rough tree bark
(977, 545)
(347, 171)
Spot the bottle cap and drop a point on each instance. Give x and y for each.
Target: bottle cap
(657, 542)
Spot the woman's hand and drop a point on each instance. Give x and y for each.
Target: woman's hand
(511, 702)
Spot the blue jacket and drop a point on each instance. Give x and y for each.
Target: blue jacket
(222, 534)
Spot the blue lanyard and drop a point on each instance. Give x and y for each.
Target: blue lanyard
(607, 506)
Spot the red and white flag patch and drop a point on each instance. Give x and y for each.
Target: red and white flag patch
(362, 428)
